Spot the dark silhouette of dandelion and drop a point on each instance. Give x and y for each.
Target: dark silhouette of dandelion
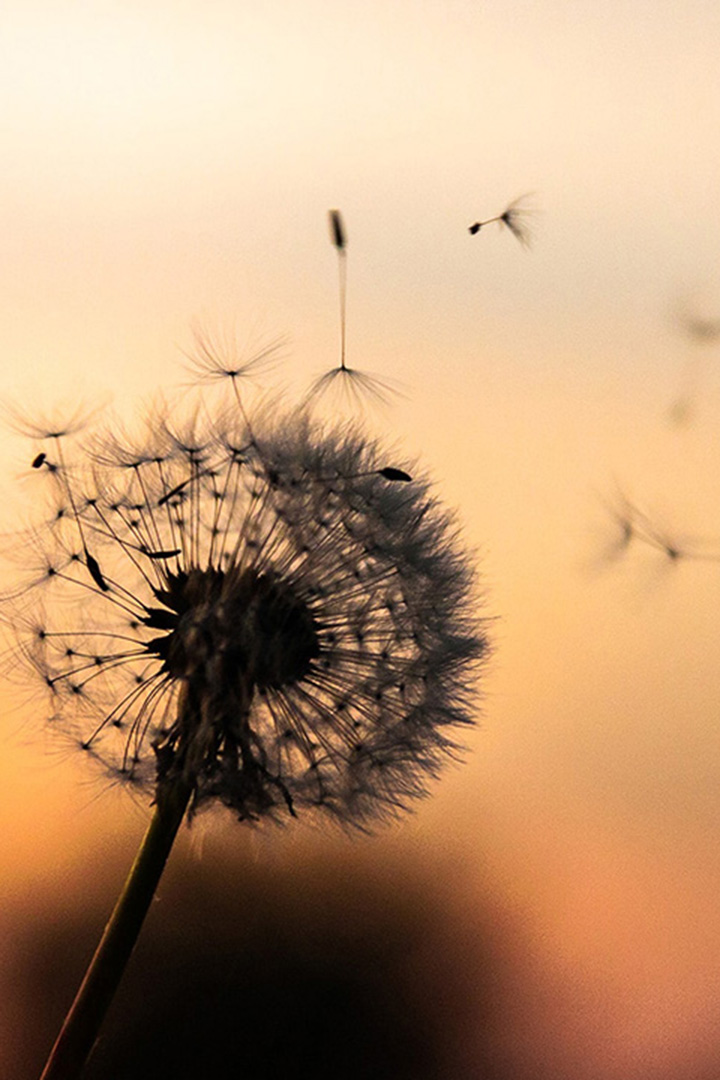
(514, 217)
(271, 615)
(266, 616)
(354, 384)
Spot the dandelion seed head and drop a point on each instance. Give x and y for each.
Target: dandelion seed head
(273, 615)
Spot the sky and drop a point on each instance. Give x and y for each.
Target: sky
(169, 166)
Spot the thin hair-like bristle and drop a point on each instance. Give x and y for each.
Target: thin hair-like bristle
(353, 385)
(218, 357)
(60, 425)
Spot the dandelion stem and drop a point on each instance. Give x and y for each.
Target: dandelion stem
(82, 1024)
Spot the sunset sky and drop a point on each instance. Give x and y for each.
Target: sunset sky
(170, 165)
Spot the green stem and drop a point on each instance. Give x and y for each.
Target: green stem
(82, 1024)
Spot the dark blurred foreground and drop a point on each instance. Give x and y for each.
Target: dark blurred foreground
(340, 971)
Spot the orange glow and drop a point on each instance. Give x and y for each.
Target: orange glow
(171, 165)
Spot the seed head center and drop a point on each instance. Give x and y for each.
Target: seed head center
(226, 628)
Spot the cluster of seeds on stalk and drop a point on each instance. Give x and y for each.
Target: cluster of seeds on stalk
(274, 617)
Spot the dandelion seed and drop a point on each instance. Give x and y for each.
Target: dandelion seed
(635, 526)
(170, 554)
(61, 425)
(216, 359)
(395, 474)
(514, 217)
(703, 330)
(646, 532)
(95, 572)
(354, 385)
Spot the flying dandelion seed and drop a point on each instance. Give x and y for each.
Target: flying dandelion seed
(514, 217)
(353, 384)
(272, 618)
(635, 527)
(703, 332)
(701, 329)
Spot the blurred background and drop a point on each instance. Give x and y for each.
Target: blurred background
(552, 909)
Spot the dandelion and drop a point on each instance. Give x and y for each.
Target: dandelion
(514, 217)
(273, 618)
(353, 383)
